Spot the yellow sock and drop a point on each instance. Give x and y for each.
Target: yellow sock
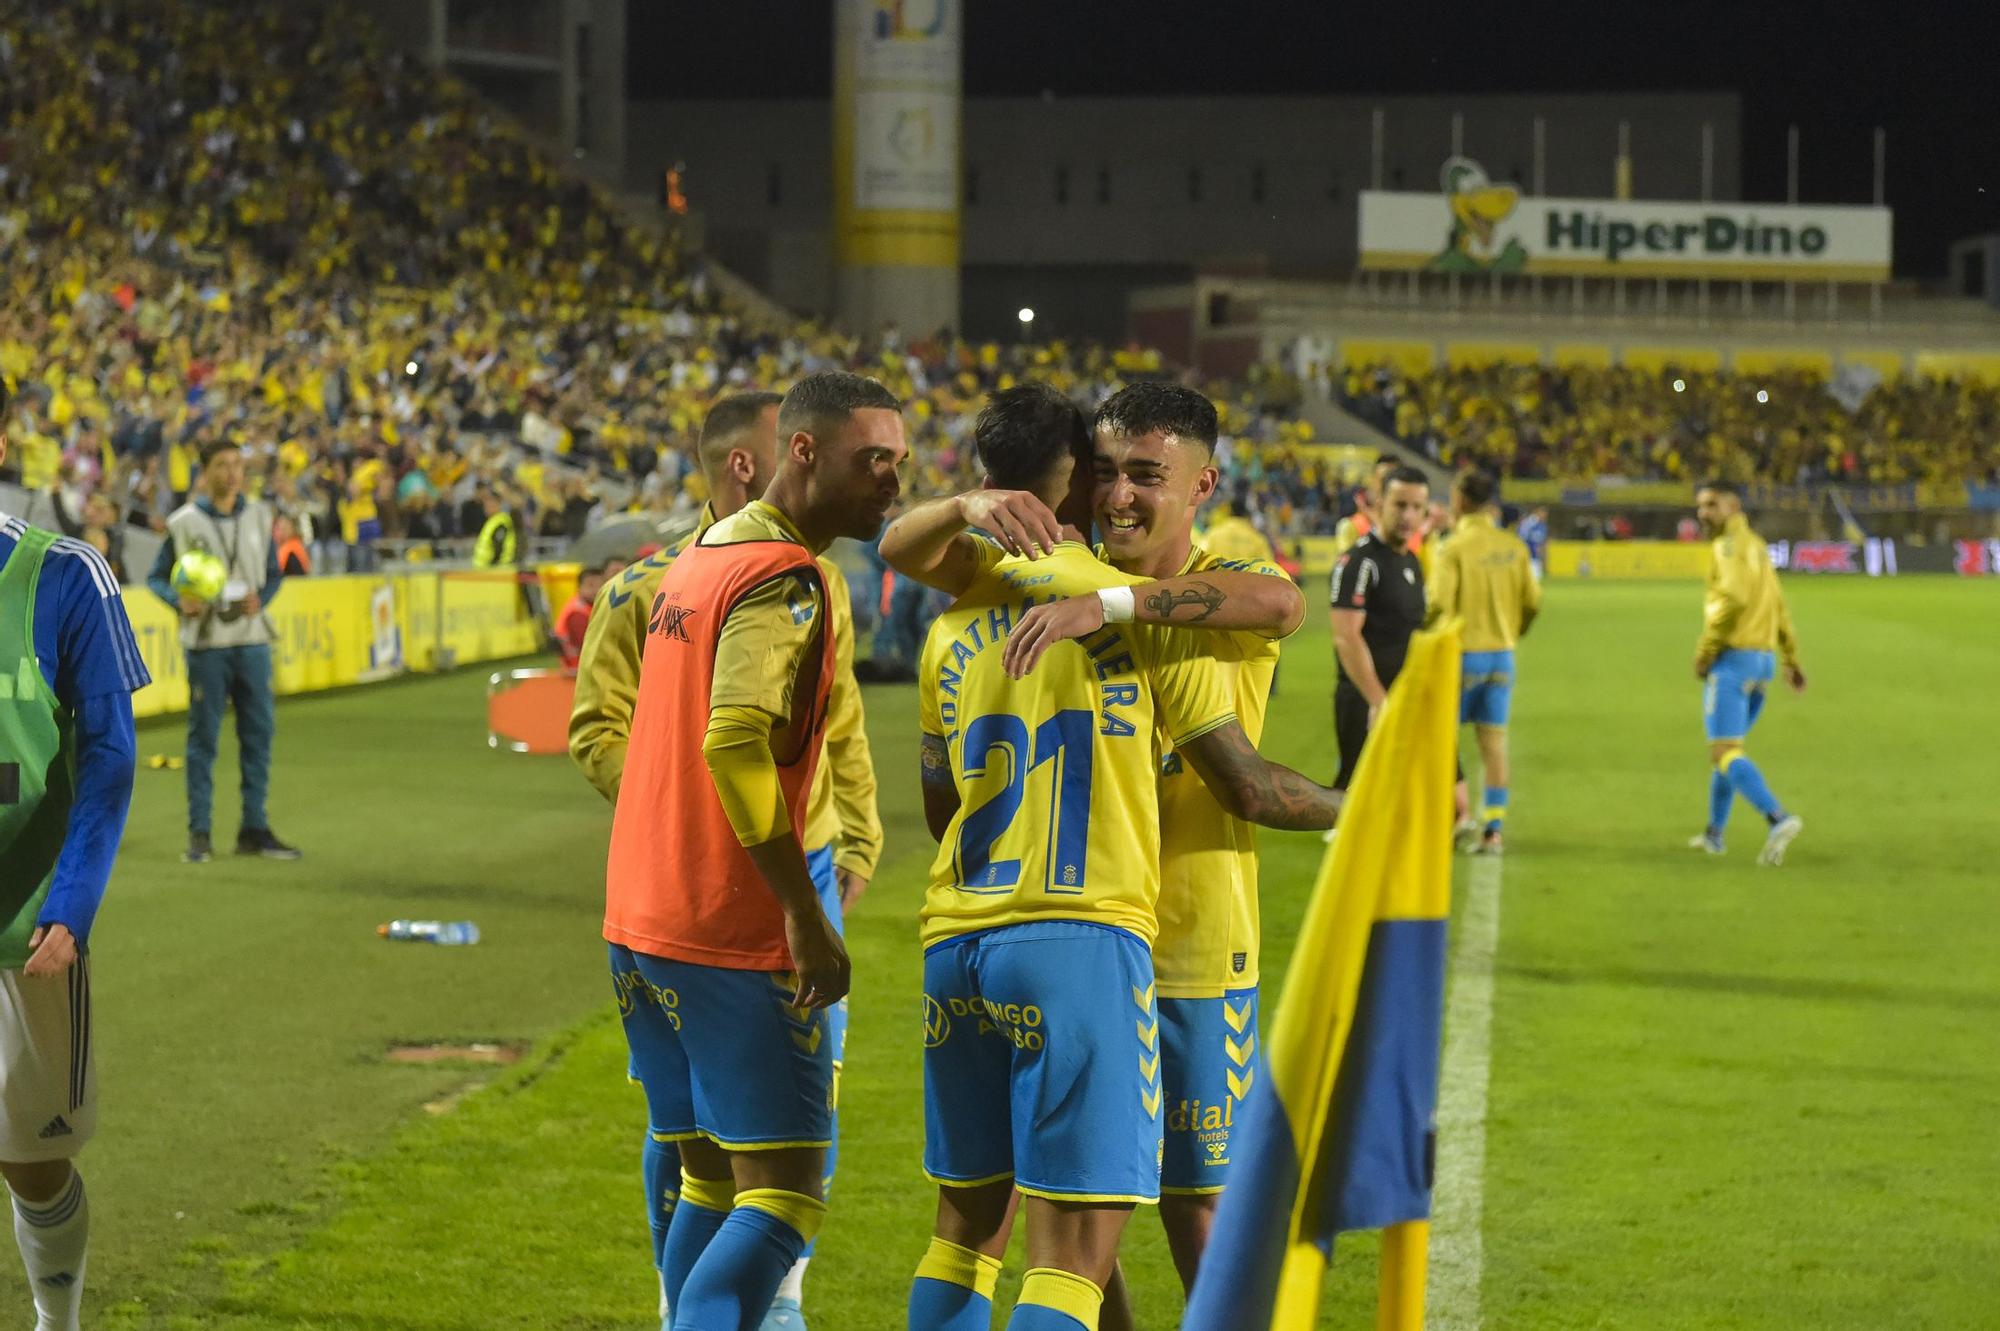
(804, 1214)
(1064, 1291)
(709, 1194)
(957, 1265)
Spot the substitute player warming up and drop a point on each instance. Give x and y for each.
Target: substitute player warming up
(1743, 620)
(722, 955)
(68, 667)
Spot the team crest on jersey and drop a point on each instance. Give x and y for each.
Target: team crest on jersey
(800, 602)
(668, 620)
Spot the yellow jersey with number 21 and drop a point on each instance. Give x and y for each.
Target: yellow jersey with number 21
(1057, 773)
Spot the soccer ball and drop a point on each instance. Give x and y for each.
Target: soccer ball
(199, 575)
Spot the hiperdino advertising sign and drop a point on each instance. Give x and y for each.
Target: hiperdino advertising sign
(1478, 226)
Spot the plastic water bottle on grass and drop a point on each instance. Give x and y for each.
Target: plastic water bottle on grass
(448, 934)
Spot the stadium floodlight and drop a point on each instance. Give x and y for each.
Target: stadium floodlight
(1680, 386)
(1027, 315)
(1763, 396)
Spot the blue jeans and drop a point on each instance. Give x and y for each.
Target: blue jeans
(218, 677)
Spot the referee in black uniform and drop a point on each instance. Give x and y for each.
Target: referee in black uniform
(1378, 602)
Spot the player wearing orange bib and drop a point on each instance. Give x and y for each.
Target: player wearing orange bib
(723, 957)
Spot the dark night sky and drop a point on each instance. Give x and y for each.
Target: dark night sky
(1920, 68)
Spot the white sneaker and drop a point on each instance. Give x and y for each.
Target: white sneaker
(1465, 836)
(1703, 841)
(785, 1315)
(1783, 832)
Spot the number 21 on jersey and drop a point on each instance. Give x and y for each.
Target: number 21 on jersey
(1001, 742)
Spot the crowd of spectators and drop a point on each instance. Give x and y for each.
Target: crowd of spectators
(1790, 428)
(254, 222)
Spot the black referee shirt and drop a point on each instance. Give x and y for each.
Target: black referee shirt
(1387, 586)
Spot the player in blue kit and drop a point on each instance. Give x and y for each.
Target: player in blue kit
(68, 668)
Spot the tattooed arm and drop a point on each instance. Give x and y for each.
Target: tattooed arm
(940, 792)
(1256, 602)
(1229, 600)
(1255, 789)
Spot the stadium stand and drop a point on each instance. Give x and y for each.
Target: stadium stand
(396, 302)
(1789, 426)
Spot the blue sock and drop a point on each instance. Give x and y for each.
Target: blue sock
(1032, 1317)
(660, 1167)
(1495, 812)
(739, 1274)
(703, 1206)
(953, 1290)
(1749, 783)
(1720, 796)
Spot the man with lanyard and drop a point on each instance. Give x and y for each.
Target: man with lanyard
(68, 668)
(228, 643)
(738, 450)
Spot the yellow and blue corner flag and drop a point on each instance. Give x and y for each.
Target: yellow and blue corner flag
(1339, 1135)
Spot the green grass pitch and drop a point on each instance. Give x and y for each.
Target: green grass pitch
(1720, 1096)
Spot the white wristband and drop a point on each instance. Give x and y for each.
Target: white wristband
(1119, 605)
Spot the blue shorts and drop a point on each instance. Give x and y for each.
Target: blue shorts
(819, 863)
(722, 1054)
(1042, 1062)
(1486, 688)
(1733, 693)
(1209, 1049)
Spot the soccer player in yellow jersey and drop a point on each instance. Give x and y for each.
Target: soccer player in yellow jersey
(1235, 536)
(738, 451)
(1153, 468)
(1042, 1027)
(1485, 578)
(1745, 631)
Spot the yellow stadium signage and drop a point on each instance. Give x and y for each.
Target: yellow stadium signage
(1491, 227)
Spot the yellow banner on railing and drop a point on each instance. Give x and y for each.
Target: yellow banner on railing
(1628, 559)
(332, 631)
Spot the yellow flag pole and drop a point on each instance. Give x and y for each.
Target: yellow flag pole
(1405, 1260)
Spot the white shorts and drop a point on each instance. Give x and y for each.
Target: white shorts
(48, 1083)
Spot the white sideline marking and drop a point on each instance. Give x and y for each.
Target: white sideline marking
(1458, 1207)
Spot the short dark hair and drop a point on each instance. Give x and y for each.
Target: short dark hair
(1720, 486)
(1477, 487)
(1405, 474)
(726, 419)
(735, 413)
(1023, 431)
(220, 443)
(819, 404)
(1151, 405)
